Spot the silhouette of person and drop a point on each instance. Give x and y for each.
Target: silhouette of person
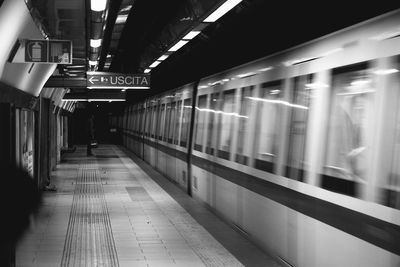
(19, 199)
(90, 135)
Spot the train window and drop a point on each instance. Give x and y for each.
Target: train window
(187, 108)
(299, 105)
(167, 118)
(142, 121)
(132, 118)
(178, 121)
(147, 120)
(150, 120)
(210, 131)
(162, 122)
(171, 122)
(135, 120)
(352, 105)
(136, 114)
(200, 122)
(154, 121)
(226, 124)
(391, 186)
(246, 110)
(127, 118)
(267, 126)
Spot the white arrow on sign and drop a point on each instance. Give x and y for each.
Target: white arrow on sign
(93, 79)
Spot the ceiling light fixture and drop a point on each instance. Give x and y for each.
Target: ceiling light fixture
(118, 87)
(75, 100)
(222, 10)
(177, 46)
(121, 19)
(191, 35)
(127, 8)
(147, 70)
(98, 5)
(155, 64)
(163, 57)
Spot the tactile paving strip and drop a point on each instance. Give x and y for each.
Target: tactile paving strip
(89, 240)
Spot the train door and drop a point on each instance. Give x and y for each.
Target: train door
(300, 232)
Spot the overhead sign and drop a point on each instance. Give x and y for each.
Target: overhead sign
(108, 80)
(45, 51)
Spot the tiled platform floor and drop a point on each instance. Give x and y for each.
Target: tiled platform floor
(149, 226)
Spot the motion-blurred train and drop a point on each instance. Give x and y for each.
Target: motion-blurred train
(299, 150)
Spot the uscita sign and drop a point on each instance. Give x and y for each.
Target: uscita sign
(105, 80)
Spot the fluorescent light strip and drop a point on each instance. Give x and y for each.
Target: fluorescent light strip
(265, 69)
(147, 70)
(75, 67)
(118, 87)
(191, 35)
(177, 46)
(272, 101)
(121, 19)
(222, 10)
(163, 57)
(98, 5)
(127, 8)
(385, 71)
(244, 75)
(95, 43)
(155, 64)
(94, 100)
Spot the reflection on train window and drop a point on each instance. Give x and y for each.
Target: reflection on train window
(178, 121)
(226, 124)
(132, 120)
(171, 122)
(200, 122)
(140, 123)
(147, 119)
(187, 108)
(267, 125)
(391, 188)
(154, 121)
(162, 122)
(167, 117)
(299, 105)
(150, 120)
(135, 119)
(352, 105)
(210, 128)
(247, 109)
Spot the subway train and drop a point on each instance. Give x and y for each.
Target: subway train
(299, 150)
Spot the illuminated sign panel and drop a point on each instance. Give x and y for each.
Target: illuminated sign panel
(108, 80)
(48, 51)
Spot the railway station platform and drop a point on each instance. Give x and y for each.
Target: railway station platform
(112, 209)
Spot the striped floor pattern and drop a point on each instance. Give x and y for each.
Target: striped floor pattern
(89, 240)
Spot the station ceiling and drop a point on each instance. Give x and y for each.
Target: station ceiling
(137, 32)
